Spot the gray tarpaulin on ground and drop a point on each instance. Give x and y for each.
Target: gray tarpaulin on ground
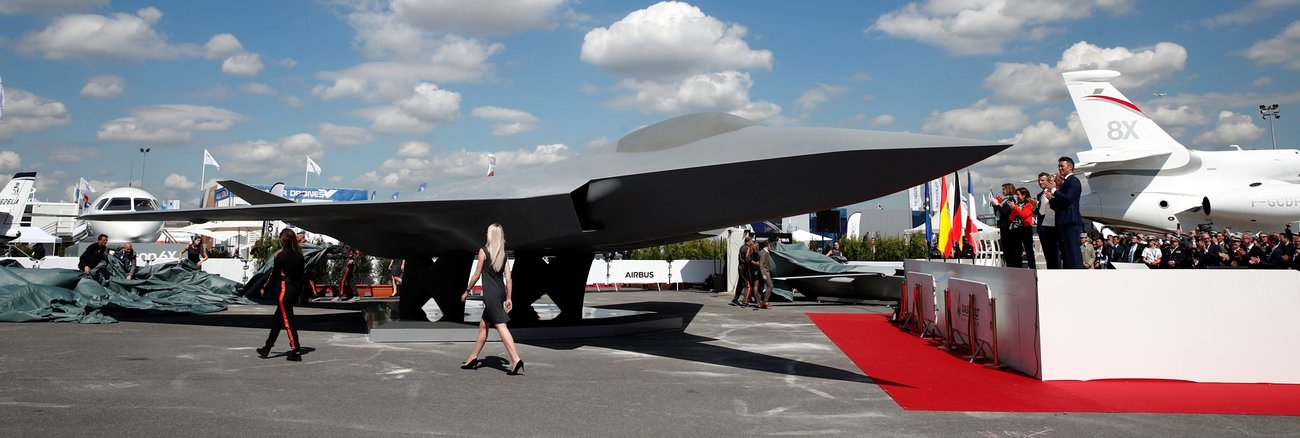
(796, 259)
(67, 295)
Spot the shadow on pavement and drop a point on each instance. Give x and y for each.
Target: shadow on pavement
(683, 346)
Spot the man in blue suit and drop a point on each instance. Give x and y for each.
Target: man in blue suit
(1065, 201)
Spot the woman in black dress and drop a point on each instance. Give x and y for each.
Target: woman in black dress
(195, 252)
(287, 269)
(496, 298)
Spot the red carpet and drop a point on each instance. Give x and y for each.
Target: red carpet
(919, 376)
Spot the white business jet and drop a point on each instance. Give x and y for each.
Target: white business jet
(1140, 177)
(119, 200)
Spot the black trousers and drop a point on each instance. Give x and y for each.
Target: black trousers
(1010, 248)
(1025, 235)
(1051, 241)
(743, 284)
(284, 319)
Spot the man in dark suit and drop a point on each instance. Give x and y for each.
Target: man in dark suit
(1065, 201)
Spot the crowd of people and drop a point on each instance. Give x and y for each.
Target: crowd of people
(1205, 248)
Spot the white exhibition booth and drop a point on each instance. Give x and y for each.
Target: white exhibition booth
(1217, 325)
(612, 273)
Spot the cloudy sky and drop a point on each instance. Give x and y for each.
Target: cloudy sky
(388, 94)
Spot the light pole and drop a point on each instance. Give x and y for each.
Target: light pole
(1270, 113)
(144, 156)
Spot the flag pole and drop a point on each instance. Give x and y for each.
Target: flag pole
(203, 174)
(305, 172)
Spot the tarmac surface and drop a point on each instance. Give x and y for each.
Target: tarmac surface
(731, 372)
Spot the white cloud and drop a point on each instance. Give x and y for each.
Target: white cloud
(168, 124)
(1250, 13)
(344, 135)
(1231, 128)
(417, 114)
(237, 62)
(981, 27)
(1034, 149)
(283, 158)
(507, 121)
(27, 112)
(1042, 83)
(883, 119)
(1182, 115)
(600, 144)
(822, 93)
(432, 104)
(726, 91)
(981, 118)
(72, 154)
(414, 164)
(1281, 49)
(104, 87)
(222, 46)
(414, 149)
(257, 88)
(499, 17)
(457, 60)
(14, 7)
(177, 181)
(249, 64)
(668, 41)
(294, 101)
(10, 162)
(404, 54)
(1262, 81)
(116, 36)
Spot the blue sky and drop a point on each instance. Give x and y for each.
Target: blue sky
(386, 95)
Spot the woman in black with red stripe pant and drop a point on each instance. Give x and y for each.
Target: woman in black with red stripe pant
(287, 269)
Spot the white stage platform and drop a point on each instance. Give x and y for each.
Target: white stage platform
(1230, 326)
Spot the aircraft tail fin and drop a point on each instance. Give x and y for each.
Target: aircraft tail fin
(254, 196)
(1117, 129)
(13, 203)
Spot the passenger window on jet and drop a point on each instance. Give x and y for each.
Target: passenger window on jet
(145, 204)
(118, 204)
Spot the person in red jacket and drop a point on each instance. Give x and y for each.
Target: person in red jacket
(1022, 218)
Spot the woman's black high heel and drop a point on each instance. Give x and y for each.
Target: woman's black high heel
(518, 368)
(472, 364)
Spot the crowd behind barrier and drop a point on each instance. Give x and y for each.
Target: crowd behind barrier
(1203, 249)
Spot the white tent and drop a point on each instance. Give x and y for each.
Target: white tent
(223, 230)
(805, 236)
(31, 235)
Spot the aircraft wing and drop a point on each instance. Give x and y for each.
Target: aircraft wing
(401, 228)
(664, 183)
(832, 277)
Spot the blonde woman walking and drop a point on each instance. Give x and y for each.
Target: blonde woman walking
(496, 298)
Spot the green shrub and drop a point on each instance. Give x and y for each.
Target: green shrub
(702, 249)
(877, 247)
